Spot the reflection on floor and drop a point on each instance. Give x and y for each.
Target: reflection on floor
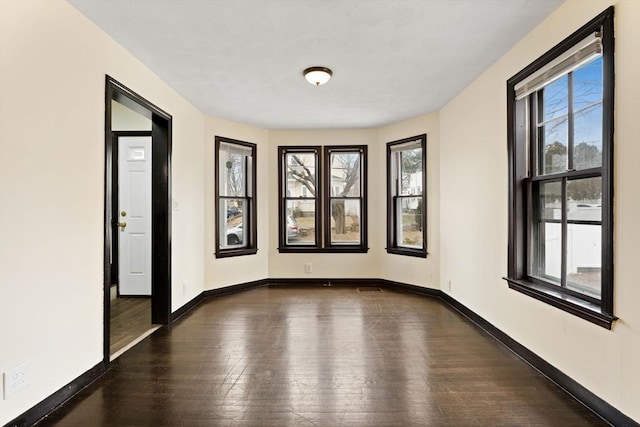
(130, 322)
(323, 356)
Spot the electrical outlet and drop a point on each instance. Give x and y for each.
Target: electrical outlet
(184, 287)
(449, 285)
(16, 379)
(308, 267)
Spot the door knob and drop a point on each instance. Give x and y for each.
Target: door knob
(122, 225)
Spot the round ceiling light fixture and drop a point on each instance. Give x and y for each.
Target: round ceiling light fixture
(317, 75)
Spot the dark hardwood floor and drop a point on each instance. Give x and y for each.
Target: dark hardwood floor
(321, 356)
(130, 318)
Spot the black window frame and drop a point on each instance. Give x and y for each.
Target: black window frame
(362, 198)
(522, 139)
(393, 198)
(250, 210)
(322, 201)
(284, 198)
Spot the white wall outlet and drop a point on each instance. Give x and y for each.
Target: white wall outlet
(15, 379)
(308, 267)
(449, 285)
(184, 287)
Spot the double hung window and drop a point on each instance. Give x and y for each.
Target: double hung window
(406, 201)
(235, 197)
(322, 199)
(345, 202)
(561, 164)
(300, 201)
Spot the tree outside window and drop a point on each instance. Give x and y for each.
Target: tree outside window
(313, 219)
(301, 205)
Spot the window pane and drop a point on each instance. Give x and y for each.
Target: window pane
(410, 227)
(554, 147)
(301, 174)
(560, 137)
(300, 222)
(250, 168)
(345, 174)
(584, 258)
(232, 173)
(587, 84)
(551, 200)
(410, 172)
(555, 99)
(587, 131)
(585, 199)
(345, 221)
(547, 256)
(233, 225)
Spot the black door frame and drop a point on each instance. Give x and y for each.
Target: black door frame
(161, 130)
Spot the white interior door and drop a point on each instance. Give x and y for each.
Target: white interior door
(134, 215)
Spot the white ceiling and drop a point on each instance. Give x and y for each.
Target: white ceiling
(243, 60)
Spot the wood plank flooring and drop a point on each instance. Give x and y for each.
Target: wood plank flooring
(130, 318)
(323, 356)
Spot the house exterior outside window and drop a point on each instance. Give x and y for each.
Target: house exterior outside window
(235, 198)
(406, 196)
(323, 204)
(561, 174)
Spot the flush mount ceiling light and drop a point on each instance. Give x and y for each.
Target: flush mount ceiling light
(317, 75)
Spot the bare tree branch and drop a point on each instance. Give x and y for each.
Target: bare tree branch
(352, 176)
(304, 177)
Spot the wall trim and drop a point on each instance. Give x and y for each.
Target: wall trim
(319, 281)
(186, 307)
(212, 293)
(232, 289)
(597, 405)
(415, 289)
(58, 398)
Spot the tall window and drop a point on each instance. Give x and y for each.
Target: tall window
(406, 196)
(235, 197)
(301, 198)
(323, 199)
(561, 164)
(345, 202)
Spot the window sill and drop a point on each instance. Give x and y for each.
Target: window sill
(583, 309)
(332, 250)
(407, 252)
(235, 252)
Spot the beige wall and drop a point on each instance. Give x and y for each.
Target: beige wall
(269, 263)
(53, 63)
(412, 270)
(230, 271)
(124, 118)
(473, 200)
(363, 265)
(51, 202)
(376, 263)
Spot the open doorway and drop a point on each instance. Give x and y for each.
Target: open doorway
(137, 252)
(131, 250)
